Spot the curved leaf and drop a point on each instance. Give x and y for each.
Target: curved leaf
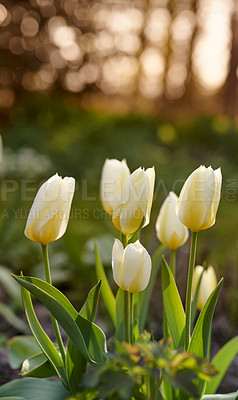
(108, 297)
(42, 338)
(173, 306)
(221, 362)
(20, 348)
(75, 362)
(200, 340)
(87, 337)
(37, 366)
(32, 388)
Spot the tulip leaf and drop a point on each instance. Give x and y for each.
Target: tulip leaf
(32, 388)
(221, 362)
(37, 366)
(173, 306)
(90, 306)
(87, 337)
(108, 297)
(229, 396)
(144, 296)
(20, 348)
(75, 361)
(200, 340)
(41, 337)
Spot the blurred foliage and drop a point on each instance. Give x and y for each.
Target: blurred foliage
(75, 142)
(131, 367)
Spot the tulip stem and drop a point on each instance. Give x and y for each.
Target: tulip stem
(49, 280)
(173, 262)
(126, 317)
(131, 319)
(189, 289)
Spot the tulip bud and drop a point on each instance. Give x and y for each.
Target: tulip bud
(131, 266)
(132, 210)
(114, 175)
(207, 285)
(49, 214)
(199, 198)
(170, 230)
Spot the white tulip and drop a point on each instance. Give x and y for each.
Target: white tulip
(199, 198)
(207, 285)
(131, 266)
(49, 214)
(132, 210)
(114, 175)
(169, 229)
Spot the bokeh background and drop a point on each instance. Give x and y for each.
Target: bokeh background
(152, 81)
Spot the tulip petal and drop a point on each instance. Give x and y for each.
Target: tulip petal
(117, 256)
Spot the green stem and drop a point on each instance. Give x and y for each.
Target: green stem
(124, 240)
(189, 289)
(131, 319)
(126, 317)
(54, 322)
(173, 262)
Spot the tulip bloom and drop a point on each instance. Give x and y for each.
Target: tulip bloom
(207, 285)
(132, 210)
(49, 214)
(114, 175)
(131, 266)
(199, 198)
(169, 229)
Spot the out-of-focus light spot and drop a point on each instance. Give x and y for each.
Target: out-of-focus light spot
(3, 13)
(55, 22)
(56, 60)
(86, 41)
(128, 43)
(119, 20)
(175, 84)
(63, 36)
(17, 13)
(7, 98)
(73, 81)
(104, 42)
(82, 16)
(16, 45)
(150, 88)
(89, 72)
(212, 47)
(166, 133)
(183, 26)
(28, 81)
(118, 74)
(48, 11)
(72, 53)
(43, 51)
(221, 124)
(47, 74)
(153, 63)
(29, 26)
(157, 26)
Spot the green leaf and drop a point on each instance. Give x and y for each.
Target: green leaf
(32, 388)
(108, 297)
(12, 398)
(221, 362)
(41, 337)
(199, 343)
(120, 329)
(89, 309)
(229, 396)
(144, 296)
(20, 348)
(75, 362)
(37, 366)
(173, 306)
(87, 337)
